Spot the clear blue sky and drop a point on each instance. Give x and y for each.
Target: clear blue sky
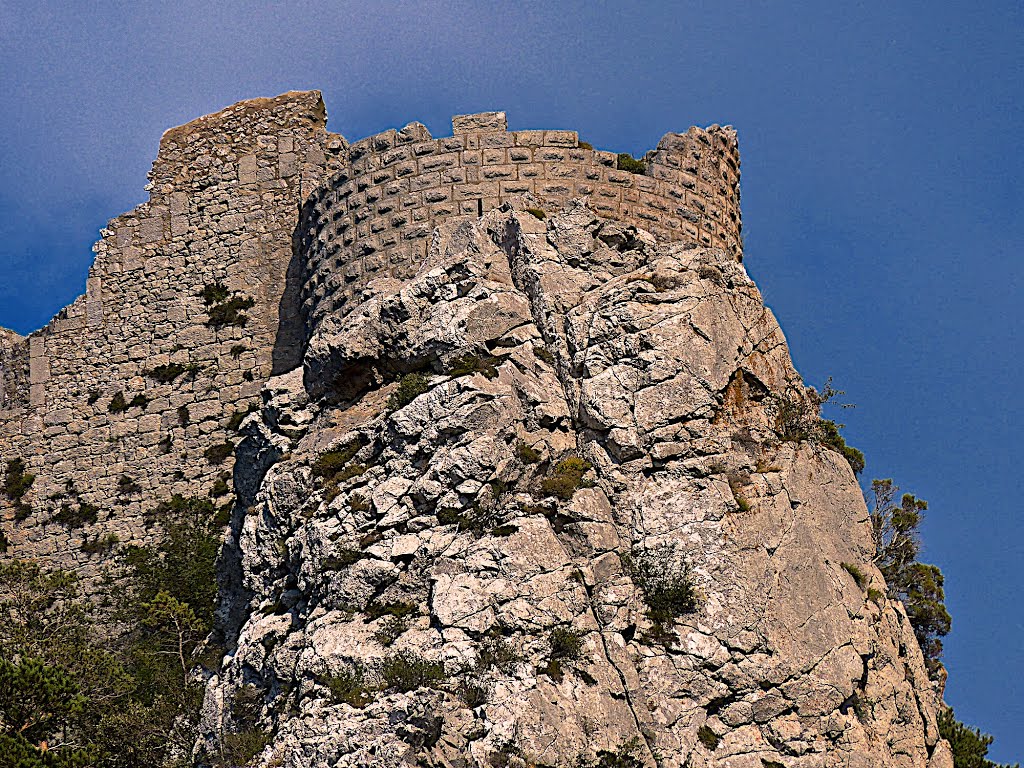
(881, 195)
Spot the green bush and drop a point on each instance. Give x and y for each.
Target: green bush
(17, 482)
(218, 454)
(537, 212)
(708, 738)
(99, 545)
(565, 643)
(231, 312)
(126, 486)
(214, 293)
(585, 145)
(623, 757)
(331, 463)
(566, 478)
(467, 365)
(165, 374)
(969, 745)
(77, 517)
(797, 418)
(349, 687)
(919, 586)
(406, 673)
(858, 575)
(410, 386)
(117, 403)
(626, 162)
(526, 453)
(667, 587)
(236, 418)
(139, 401)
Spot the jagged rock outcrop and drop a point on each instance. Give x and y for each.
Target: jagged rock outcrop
(455, 521)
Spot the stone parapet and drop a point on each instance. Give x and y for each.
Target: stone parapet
(374, 216)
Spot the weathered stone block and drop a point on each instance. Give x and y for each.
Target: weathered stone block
(481, 122)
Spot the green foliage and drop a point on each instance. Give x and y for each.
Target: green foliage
(545, 354)
(919, 586)
(99, 544)
(218, 454)
(229, 311)
(215, 293)
(565, 643)
(526, 453)
(829, 435)
(349, 687)
(17, 483)
(329, 464)
(410, 386)
(797, 419)
(117, 403)
(566, 478)
(406, 673)
(585, 145)
(666, 584)
(397, 608)
(239, 748)
(77, 517)
(537, 212)
(390, 630)
(467, 365)
(626, 756)
(969, 745)
(503, 531)
(126, 486)
(165, 374)
(626, 162)
(708, 738)
(858, 575)
(122, 698)
(183, 563)
(498, 653)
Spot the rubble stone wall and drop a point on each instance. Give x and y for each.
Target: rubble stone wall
(224, 198)
(376, 215)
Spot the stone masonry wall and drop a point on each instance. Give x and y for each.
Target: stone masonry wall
(261, 199)
(224, 198)
(375, 216)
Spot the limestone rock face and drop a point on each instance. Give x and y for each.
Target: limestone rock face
(460, 519)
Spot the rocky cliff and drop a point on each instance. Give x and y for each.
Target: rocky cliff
(523, 499)
(455, 555)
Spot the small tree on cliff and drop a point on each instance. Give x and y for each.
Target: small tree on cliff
(917, 585)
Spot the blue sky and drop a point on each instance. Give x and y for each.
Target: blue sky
(881, 190)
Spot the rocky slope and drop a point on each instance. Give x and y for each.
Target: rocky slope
(466, 528)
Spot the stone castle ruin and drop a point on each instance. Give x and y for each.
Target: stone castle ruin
(260, 198)
(470, 410)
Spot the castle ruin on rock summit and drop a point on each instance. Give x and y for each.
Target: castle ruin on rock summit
(264, 207)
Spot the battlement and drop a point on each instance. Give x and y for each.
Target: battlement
(374, 217)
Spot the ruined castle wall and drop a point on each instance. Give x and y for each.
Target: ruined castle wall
(376, 214)
(224, 198)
